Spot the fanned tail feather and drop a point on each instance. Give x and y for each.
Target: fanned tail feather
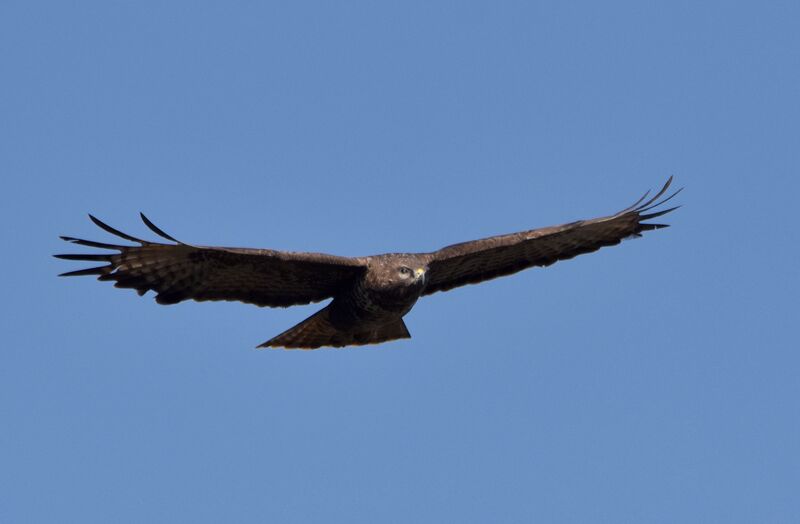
(317, 331)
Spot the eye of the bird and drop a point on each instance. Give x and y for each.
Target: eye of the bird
(405, 271)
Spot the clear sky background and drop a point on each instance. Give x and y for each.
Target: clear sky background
(656, 381)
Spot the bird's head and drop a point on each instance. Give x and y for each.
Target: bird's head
(405, 274)
(410, 275)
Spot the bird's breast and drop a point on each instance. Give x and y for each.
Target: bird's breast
(365, 303)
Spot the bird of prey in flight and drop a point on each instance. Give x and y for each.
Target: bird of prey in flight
(370, 294)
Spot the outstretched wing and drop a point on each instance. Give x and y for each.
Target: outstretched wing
(480, 260)
(179, 271)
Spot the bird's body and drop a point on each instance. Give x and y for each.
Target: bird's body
(369, 311)
(370, 294)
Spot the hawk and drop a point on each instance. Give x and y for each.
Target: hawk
(370, 294)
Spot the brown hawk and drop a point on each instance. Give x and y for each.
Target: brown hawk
(370, 294)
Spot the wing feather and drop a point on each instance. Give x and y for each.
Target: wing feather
(179, 271)
(480, 260)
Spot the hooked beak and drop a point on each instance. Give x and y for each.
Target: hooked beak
(419, 273)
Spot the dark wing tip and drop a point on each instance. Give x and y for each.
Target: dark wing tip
(633, 206)
(639, 207)
(648, 206)
(85, 257)
(650, 227)
(102, 225)
(157, 230)
(101, 270)
(653, 203)
(92, 243)
(658, 213)
(656, 196)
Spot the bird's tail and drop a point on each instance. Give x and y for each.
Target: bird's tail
(317, 331)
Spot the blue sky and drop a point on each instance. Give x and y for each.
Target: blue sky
(656, 381)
